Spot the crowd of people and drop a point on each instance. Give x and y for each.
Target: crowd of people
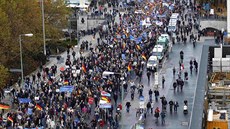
(122, 49)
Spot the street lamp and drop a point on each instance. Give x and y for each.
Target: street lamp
(20, 43)
(43, 27)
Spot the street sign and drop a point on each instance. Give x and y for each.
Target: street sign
(15, 70)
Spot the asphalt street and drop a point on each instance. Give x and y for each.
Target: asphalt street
(175, 120)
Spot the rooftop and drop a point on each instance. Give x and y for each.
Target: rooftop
(219, 115)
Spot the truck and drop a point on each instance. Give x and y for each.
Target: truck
(156, 57)
(159, 52)
(164, 41)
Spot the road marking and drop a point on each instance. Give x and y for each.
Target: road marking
(184, 123)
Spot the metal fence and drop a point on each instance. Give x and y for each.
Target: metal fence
(216, 18)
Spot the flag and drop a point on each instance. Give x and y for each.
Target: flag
(83, 68)
(105, 99)
(38, 107)
(66, 82)
(104, 93)
(143, 56)
(123, 45)
(129, 67)
(10, 119)
(131, 37)
(138, 47)
(4, 106)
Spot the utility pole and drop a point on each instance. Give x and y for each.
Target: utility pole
(122, 98)
(43, 28)
(70, 30)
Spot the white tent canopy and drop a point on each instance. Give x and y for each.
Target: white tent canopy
(107, 73)
(78, 4)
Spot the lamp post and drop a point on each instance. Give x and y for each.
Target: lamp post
(43, 27)
(122, 98)
(20, 43)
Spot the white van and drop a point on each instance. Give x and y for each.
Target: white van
(173, 21)
(172, 27)
(166, 36)
(152, 63)
(158, 51)
(175, 16)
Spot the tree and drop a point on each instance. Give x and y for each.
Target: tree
(56, 14)
(4, 75)
(4, 35)
(24, 16)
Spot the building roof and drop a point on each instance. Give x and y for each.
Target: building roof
(162, 39)
(158, 48)
(220, 115)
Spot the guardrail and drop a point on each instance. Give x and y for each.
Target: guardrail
(95, 17)
(218, 18)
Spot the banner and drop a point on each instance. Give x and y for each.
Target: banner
(30, 111)
(24, 100)
(131, 37)
(35, 128)
(66, 89)
(104, 93)
(104, 104)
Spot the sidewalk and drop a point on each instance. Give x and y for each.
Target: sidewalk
(53, 61)
(59, 64)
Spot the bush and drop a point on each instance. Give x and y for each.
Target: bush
(4, 76)
(60, 45)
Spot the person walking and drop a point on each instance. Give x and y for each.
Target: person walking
(157, 114)
(181, 56)
(156, 92)
(185, 75)
(174, 85)
(195, 64)
(140, 90)
(125, 85)
(150, 95)
(128, 105)
(152, 104)
(163, 102)
(115, 97)
(191, 67)
(148, 106)
(174, 71)
(163, 82)
(181, 84)
(176, 105)
(132, 93)
(171, 104)
(190, 62)
(163, 115)
(148, 75)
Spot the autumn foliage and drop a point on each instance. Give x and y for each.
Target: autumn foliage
(25, 16)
